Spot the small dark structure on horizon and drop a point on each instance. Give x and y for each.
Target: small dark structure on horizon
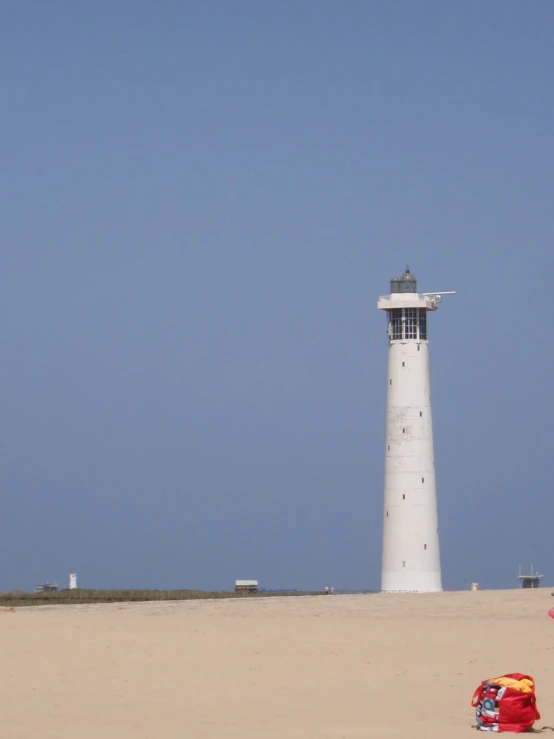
(245, 587)
(50, 587)
(531, 580)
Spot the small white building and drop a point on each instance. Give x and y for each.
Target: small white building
(246, 586)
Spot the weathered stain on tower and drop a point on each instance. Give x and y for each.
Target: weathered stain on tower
(411, 552)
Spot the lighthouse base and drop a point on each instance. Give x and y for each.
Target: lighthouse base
(411, 582)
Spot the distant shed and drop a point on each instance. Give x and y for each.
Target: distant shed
(49, 587)
(246, 586)
(532, 580)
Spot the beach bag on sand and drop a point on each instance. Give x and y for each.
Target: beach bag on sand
(506, 703)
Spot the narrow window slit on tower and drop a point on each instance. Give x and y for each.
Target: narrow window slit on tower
(403, 496)
(403, 364)
(403, 431)
(390, 382)
(422, 479)
(388, 448)
(421, 414)
(418, 347)
(403, 563)
(388, 516)
(425, 546)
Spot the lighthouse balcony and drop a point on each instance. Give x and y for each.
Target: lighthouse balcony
(407, 300)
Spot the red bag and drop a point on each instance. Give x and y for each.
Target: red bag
(506, 703)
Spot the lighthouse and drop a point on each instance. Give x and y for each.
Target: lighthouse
(411, 553)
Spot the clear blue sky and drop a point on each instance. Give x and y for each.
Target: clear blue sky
(201, 203)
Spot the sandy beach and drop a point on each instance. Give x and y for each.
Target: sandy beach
(319, 667)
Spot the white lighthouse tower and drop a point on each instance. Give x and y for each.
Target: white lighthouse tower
(411, 555)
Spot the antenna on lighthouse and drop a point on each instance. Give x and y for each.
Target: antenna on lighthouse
(411, 552)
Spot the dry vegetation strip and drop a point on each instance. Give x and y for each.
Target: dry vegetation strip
(78, 596)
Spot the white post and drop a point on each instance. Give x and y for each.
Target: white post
(73, 581)
(411, 553)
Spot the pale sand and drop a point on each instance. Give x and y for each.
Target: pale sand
(306, 667)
